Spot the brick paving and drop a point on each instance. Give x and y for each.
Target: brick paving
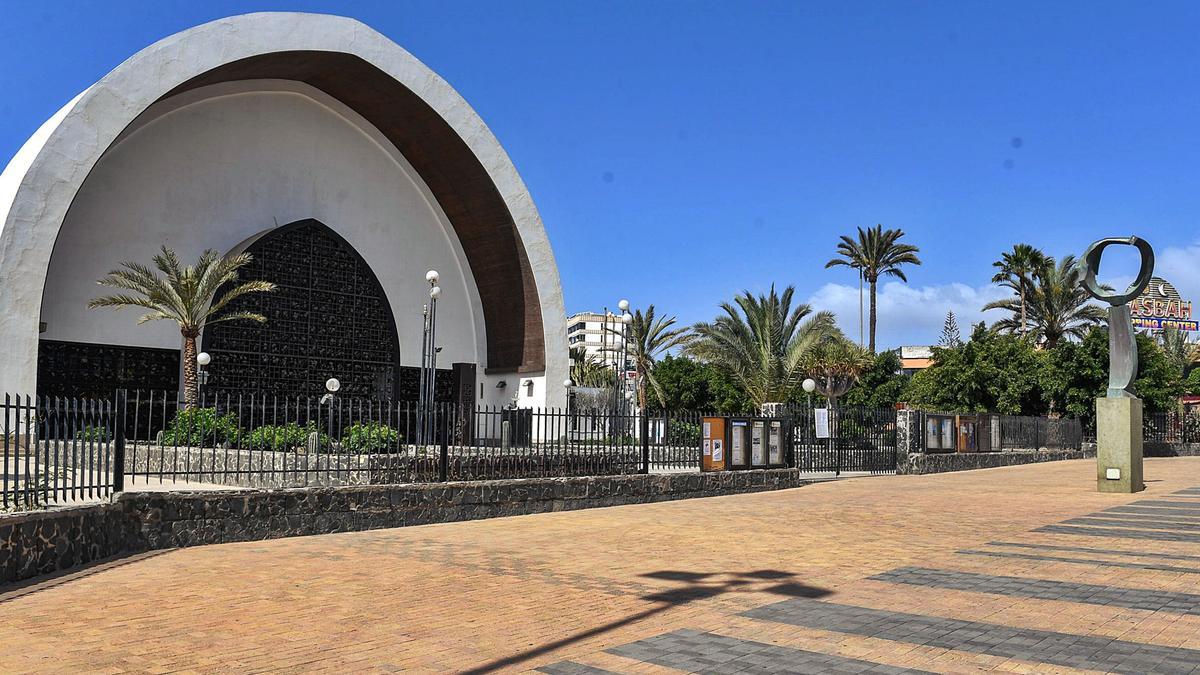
(817, 579)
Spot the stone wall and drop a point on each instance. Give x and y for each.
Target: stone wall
(926, 463)
(1170, 449)
(40, 543)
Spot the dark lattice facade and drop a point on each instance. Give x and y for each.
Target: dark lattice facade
(328, 318)
(95, 371)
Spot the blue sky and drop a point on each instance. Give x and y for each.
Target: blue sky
(680, 152)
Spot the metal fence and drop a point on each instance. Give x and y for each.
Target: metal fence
(1171, 427)
(62, 451)
(55, 450)
(857, 439)
(986, 432)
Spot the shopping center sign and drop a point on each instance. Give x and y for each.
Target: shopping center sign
(1161, 306)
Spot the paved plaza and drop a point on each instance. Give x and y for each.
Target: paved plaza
(1021, 569)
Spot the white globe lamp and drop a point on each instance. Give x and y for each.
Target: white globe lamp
(431, 276)
(203, 359)
(810, 385)
(332, 385)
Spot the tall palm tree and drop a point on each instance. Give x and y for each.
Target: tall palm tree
(649, 337)
(1018, 269)
(761, 342)
(184, 295)
(1057, 306)
(877, 252)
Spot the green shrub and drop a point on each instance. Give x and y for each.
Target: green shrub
(368, 437)
(95, 433)
(201, 426)
(683, 433)
(285, 437)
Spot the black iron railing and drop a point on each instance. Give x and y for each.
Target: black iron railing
(986, 432)
(62, 451)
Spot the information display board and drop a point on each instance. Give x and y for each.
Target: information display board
(712, 441)
(738, 458)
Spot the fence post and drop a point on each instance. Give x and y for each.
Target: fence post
(119, 406)
(444, 460)
(644, 429)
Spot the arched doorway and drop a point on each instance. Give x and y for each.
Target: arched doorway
(328, 317)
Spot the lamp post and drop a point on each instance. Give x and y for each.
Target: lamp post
(332, 385)
(567, 384)
(429, 351)
(202, 360)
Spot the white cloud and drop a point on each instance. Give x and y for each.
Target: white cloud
(1180, 265)
(909, 315)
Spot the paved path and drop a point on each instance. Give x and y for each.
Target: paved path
(1022, 569)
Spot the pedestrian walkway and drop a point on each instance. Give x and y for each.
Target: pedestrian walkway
(1018, 569)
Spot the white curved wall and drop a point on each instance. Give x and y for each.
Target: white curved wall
(224, 163)
(40, 183)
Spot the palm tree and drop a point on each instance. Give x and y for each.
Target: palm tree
(183, 295)
(877, 252)
(649, 337)
(1057, 306)
(589, 371)
(1177, 348)
(836, 363)
(1017, 270)
(761, 342)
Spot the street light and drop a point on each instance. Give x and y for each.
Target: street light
(202, 359)
(428, 359)
(567, 384)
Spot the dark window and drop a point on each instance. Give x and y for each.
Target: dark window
(96, 371)
(328, 318)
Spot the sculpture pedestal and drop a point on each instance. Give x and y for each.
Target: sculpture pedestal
(1119, 445)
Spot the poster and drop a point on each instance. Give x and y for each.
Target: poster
(821, 417)
(707, 448)
(774, 447)
(717, 455)
(758, 455)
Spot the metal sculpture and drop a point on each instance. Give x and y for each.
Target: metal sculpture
(1122, 348)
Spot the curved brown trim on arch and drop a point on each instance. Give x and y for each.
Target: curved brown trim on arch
(461, 185)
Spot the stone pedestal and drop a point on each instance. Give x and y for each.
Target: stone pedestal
(1119, 445)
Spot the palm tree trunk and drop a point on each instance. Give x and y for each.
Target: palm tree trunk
(191, 392)
(1023, 319)
(874, 283)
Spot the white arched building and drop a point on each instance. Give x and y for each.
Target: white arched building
(340, 161)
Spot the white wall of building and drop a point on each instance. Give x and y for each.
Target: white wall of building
(231, 161)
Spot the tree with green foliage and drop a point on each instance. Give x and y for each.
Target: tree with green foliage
(648, 338)
(1017, 270)
(760, 341)
(688, 384)
(1076, 374)
(836, 363)
(185, 295)
(951, 338)
(881, 385)
(1058, 307)
(991, 372)
(876, 252)
(1179, 351)
(589, 371)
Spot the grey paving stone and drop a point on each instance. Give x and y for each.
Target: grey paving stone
(1173, 503)
(573, 668)
(1047, 647)
(1148, 524)
(1083, 561)
(679, 650)
(1153, 511)
(1120, 534)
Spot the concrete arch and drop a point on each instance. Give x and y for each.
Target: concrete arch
(463, 164)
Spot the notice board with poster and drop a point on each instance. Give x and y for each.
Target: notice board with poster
(712, 439)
